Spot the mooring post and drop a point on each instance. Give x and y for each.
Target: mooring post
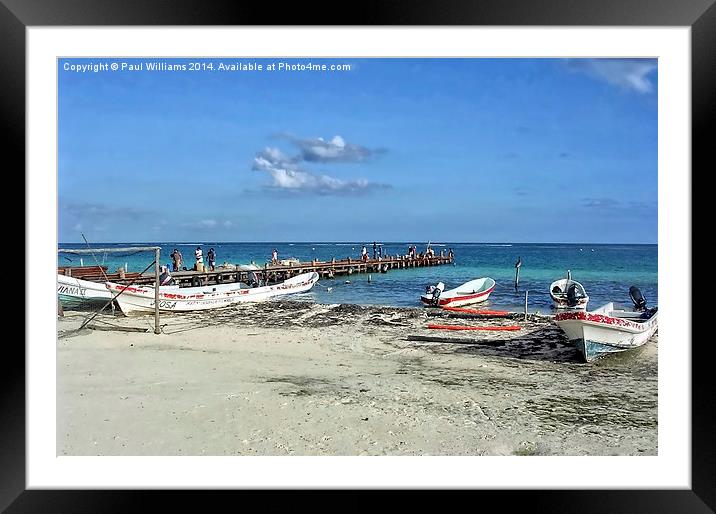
(526, 294)
(156, 291)
(518, 265)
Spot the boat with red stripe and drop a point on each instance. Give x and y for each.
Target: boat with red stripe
(609, 330)
(474, 291)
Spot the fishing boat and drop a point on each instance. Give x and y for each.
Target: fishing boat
(568, 294)
(75, 292)
(474, 291)
(609, 330)
(141, 298)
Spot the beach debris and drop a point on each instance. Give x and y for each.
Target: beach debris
(484, 312)
(462, 327)
(438, 339)
(111, 328)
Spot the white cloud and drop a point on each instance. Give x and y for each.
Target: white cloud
(335, 150)
(287, 176)
(208, 224)
(630, 74)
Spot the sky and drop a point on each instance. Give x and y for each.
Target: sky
(456, 150)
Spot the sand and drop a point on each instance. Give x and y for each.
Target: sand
(296, 378)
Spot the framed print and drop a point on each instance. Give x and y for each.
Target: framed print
(391, 255)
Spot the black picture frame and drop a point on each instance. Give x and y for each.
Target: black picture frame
(700, 15)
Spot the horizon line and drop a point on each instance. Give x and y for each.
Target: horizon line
(364, 242)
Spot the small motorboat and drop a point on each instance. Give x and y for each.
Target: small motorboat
(609, 330)
(568, 294)
(474, 291)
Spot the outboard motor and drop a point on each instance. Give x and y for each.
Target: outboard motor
(436, 292)
(637, 298)
(572, 297)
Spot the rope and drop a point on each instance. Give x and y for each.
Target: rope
(95, 259)
(115, 296)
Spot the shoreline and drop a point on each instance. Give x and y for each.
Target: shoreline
(303, 378)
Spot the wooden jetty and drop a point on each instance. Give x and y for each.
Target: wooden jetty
(325, 269)
(97, 274)
(268, 273)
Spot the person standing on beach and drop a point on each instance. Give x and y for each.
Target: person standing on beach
(199, 257)
(211, 258)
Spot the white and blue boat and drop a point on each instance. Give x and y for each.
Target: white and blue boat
(78, 293)
(609, 330)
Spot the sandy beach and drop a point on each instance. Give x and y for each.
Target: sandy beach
(297, 378)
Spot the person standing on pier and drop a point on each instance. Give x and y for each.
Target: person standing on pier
(199, 258)
(375, 250)
(274, 256)
(364, 253)
(176, 259)
(211, 257)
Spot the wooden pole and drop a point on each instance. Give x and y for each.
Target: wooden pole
(156, 291)
(518, 265)
(526, 294)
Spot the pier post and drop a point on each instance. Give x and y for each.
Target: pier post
(518, 265)
(156, 291)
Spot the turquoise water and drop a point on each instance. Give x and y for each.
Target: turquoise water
(606, 271)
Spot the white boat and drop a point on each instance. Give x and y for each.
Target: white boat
(608, 330)
(568, 294)
(75, 292)
(141, 298)
(474, 291)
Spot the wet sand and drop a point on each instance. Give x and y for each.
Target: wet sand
(295, 378)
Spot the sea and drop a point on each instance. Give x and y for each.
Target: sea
(605, 270)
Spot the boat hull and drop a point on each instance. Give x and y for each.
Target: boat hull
(77, 293)
(559, 303)
(596, 335)
(475, 291)
(458, 300)
(142, 299)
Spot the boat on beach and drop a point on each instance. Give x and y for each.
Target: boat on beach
(75, 292)
(474, 291)
(607, 329)
(141, 298)
(568, 294)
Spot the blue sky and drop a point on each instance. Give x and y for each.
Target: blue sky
(460, 150)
